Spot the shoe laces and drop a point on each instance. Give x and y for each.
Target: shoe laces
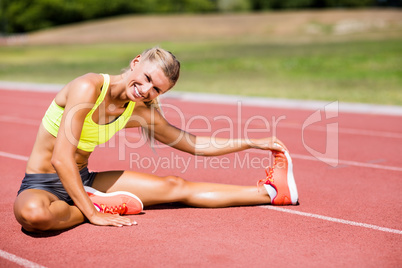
(269, 179)
(114, 210)
(270, 176)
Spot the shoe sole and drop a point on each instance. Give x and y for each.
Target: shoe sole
(294, 196)
(96, 192)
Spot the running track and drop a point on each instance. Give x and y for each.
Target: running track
(349, 214)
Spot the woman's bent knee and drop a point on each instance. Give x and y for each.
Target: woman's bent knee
(33, 215)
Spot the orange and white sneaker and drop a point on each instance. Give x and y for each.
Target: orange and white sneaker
(280, 182)
(123, 203)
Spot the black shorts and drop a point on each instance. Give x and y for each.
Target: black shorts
(51, 182)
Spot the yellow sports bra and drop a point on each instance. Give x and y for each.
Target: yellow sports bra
(92, 134)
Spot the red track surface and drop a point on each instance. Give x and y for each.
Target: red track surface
(350, 215)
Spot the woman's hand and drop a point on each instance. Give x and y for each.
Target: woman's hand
(271, 143)
(100, 218)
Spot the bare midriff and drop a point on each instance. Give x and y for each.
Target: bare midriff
(40, 158)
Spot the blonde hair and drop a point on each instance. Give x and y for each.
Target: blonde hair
(166, 61)
(171, 68)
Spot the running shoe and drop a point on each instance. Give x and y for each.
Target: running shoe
(123, 203)
(280, 182)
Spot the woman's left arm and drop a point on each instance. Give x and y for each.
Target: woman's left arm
(212, 146)
(179, 139)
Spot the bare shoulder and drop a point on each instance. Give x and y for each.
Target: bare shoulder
(144, 115)
(85, 88)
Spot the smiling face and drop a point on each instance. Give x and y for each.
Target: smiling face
(145, 80)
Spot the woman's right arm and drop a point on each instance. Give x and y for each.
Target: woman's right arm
(80, 98)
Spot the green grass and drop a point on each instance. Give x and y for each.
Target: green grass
(358, 71)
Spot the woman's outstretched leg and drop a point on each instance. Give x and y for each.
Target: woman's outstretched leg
(223, 195)
(279, 188)
(153, 190)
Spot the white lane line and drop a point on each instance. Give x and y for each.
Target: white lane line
(326, 218)
(350, 131)
(300, 105)
(295, 156)
(345, 130)
(14, 156)
(18, 120)
(346, 162)
(226, 99)
(297, 126)
(339, 161)
(18, 260)
(300, 156)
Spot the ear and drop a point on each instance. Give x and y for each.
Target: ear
(135, 61)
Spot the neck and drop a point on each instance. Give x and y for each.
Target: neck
(117, 90)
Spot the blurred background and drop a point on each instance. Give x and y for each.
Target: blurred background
(345, 50)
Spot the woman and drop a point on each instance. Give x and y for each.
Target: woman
(87, 112)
